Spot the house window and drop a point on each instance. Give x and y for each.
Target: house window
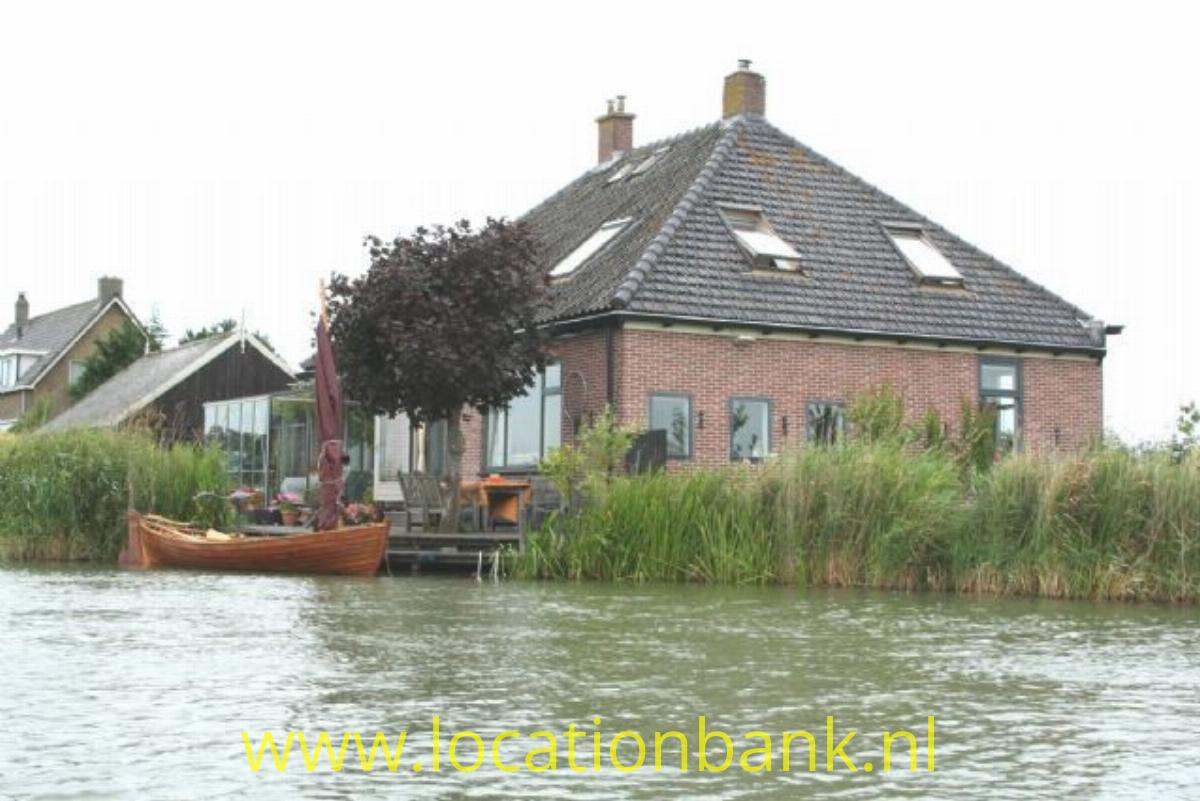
(8, 371)
(1000, 389)
(758, 238)
(826, 423)
(673, 414)
(922, 256)
(749, 428)
(530, 427)
(75, 371)
(589, 247)
(428, 445)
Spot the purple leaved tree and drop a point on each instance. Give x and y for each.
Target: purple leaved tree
(442, 320)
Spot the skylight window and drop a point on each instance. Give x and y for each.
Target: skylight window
(621, 173)
(923, 257)
(755, 234)
(648, 163)
(589, 247)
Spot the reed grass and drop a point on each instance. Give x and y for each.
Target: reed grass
(1104, 524)
(63, 495)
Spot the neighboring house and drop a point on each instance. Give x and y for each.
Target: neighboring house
(40, 357)
(170, 388)
(736, 289)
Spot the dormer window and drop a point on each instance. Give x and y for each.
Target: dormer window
(589, 247)
(758, 238)
(922, 256)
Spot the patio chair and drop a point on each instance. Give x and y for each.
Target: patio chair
(417, 509)
(426, 503)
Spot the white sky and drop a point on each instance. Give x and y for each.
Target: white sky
(221, 157)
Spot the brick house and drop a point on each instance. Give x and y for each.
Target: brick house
(737, 289)
(41, 356)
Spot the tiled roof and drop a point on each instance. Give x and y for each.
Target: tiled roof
(679, 260)
(50, 333)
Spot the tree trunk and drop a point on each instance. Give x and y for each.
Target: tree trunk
(453, 472)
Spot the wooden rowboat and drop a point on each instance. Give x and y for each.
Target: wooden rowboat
(158, 542)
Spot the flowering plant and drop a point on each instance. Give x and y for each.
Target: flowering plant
(356, 514)
(287, 501)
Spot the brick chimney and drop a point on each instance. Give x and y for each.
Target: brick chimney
(22, 317)
(615, 129)
(109, 287)
(745, 92)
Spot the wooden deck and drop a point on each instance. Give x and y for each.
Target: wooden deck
(415, 551)
(466, 550)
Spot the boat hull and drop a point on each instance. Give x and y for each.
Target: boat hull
(157, 542)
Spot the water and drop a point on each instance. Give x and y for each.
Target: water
(123, 685)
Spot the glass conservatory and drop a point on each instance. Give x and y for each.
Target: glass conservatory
(270, 442)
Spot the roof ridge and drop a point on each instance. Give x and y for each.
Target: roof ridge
(645, 265)
(1012, 271)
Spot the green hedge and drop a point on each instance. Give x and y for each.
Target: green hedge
(64, 495)
(1105, 524)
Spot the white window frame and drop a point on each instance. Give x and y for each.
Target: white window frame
(755, 234)
(922, 256)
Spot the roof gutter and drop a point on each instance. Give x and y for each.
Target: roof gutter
(816, 331)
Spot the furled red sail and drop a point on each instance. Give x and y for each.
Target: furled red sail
(329, 430)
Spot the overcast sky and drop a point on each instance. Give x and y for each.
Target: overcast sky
(221, 157)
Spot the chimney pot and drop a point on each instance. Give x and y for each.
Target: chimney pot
(745, 92)
(615, 130)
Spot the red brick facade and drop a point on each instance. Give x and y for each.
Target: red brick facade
(1061, 395)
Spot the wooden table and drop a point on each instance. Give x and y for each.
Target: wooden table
(504, 500)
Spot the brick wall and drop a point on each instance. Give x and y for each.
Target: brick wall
(1062, 396)
(1064, 403)
(13, 405)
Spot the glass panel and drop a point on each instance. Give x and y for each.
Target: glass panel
(1006, 432)
(292, 453)
(525, 428)
(589, 246)
(233, 440)
(673, 414)
(998, 377)
(922, 255)
(435, 447)
(497, 421)
(826, 423)
(750, 429)
(552, 424)
(553, 376)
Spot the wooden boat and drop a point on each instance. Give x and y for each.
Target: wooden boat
(158, 542)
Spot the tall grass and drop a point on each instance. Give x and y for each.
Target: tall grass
(1105, 524)
(64, 495)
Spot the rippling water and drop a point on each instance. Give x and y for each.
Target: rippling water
(124, 685)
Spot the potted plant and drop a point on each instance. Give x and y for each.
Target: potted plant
(288, 504)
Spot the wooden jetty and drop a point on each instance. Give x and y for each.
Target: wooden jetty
(418, 551)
